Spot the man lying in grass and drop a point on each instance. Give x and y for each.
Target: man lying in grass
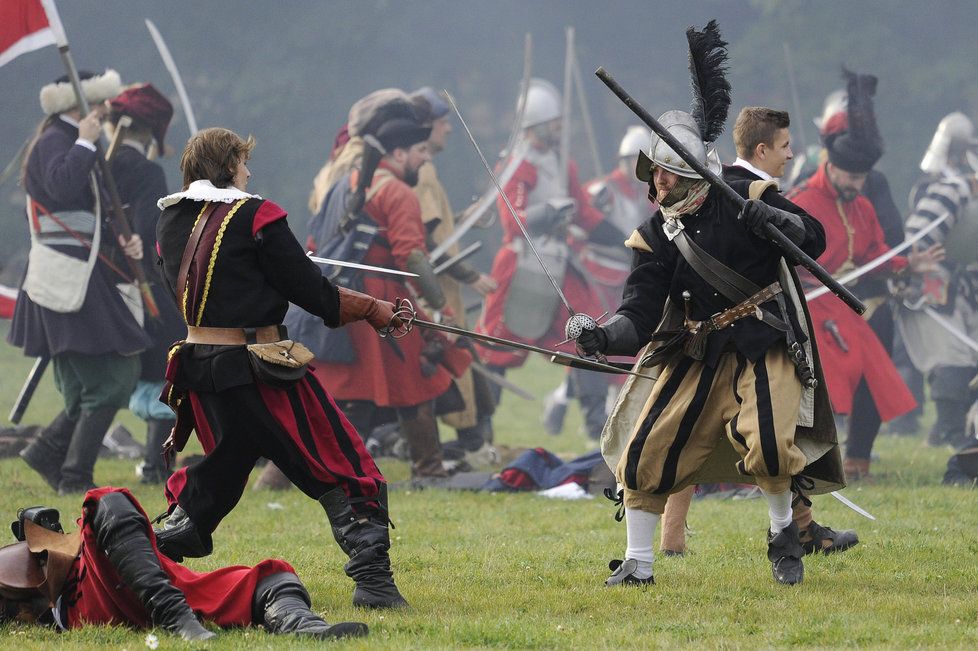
(111, 572)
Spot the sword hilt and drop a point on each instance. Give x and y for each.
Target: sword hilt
(577, 324)
(402, 321)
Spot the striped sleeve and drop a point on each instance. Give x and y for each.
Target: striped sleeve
(941, 197)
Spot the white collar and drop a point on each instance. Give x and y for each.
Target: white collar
(135, 144)
(204, 190)
(70, 121)
(740, 162)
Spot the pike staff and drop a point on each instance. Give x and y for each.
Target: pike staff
(779, 239)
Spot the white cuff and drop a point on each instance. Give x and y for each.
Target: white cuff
(87, 144)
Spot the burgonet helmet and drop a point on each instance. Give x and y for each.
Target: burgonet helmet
(700, 128)
(543, 103)
(955, 130)
(631, 144)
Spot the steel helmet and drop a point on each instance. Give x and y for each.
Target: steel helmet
(954, 128)
(543, 103)
(684, 128)
(631, 144)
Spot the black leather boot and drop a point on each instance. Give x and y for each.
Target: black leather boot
(86, 440)
(180, 538)
(281, 605)
(784, 551)
(365, 538)
(120, 531)
(46, 454)
(153, 469)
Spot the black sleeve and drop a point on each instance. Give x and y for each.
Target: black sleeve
(143, 209)
(877, 190)
(647, 285)
(814, 244)
(294, 275)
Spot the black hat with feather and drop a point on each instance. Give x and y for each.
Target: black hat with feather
(855, 144)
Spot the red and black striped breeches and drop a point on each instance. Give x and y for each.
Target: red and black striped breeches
(299, 428)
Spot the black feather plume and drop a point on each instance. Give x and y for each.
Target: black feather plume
(862, 118)
(711, 90)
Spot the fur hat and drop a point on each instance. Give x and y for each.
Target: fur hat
(854, 144)
(59, 96)
(146, 104)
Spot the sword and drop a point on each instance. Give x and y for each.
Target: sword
(365, 267)
(27, 391)
(872, 264)
(406, 313)
(458, 257)
(501, 380)
(577, 322)
(951, 328)
(852, 505)
(171, 67)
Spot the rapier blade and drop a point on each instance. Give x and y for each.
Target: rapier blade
(365, 267)
(171, 67)
(852, 505)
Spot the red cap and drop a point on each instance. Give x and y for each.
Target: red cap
(838, 123)
(147, 104)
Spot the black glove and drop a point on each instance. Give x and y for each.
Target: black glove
(432, 353)
(756, 214)
(592, 341)
(546, 218)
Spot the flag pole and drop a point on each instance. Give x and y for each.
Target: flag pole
(117, 216)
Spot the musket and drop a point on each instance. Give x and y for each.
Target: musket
(171, 67)
(404, 311)
(788, 248)
(27, 391)
(117, 216)
(578, 321)
(793, 86)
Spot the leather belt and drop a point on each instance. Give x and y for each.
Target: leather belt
(236, 336)
(750, 307)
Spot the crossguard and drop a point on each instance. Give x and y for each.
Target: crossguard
(403, 310)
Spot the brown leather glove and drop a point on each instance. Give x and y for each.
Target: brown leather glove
(355, 306)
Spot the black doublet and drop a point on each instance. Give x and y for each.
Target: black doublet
(715, 228)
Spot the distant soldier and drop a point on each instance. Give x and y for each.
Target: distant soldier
(141, 183)
(71, 309)
(948, 188)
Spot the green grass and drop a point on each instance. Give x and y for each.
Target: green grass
(520, 571)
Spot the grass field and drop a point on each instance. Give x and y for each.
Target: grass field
(521, 571)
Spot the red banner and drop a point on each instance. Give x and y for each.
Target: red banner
(24, 27)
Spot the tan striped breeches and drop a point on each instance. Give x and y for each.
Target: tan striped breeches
(690, 409)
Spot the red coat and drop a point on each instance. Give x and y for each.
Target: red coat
(853, 237)
(387, 371)
(575, 287)
(95, 594)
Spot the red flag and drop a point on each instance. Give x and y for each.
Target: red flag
(27, 25)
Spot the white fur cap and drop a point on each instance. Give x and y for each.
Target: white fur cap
(60, 97)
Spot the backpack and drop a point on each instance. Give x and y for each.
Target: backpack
(340, 236)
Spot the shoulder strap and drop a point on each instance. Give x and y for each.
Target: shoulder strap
(722, 278)
(191, 249)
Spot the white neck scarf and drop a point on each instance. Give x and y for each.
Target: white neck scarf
(205, 191)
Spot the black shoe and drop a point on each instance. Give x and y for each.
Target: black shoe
(623, 573)
(282, 604)
(46, 454)
(86, 440)
(785, 552)
(839, 541)
(180, 538)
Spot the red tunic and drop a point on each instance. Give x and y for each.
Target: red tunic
(575, 287)
(95, 594)
(387, 371)
(853, 237)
